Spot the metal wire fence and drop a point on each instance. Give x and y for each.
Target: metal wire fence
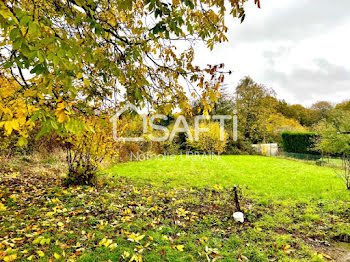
(321, 160)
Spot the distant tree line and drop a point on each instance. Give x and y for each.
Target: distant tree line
(262, 118)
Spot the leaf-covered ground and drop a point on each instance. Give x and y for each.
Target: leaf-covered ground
(119, 221)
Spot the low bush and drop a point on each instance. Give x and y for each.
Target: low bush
(209, 141)
(87, 150)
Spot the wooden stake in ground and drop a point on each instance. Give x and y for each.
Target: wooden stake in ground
(236, 199)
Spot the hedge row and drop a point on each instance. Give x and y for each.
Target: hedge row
(299, 142)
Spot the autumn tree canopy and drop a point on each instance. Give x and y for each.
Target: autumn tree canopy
(65, 58)
(255, 104)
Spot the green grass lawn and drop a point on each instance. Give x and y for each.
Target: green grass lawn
(267, 177)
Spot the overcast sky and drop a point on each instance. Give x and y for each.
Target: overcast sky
(300, 48)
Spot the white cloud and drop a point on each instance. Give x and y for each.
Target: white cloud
(298, 47)
(310, 83)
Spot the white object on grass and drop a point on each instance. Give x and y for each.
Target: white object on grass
(238, 217)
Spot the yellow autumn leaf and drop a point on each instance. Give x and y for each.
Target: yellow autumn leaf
(136, 258)
(181, 212)
(287, 247)
(126, 254)
(61, 115)
(113, 246)
(218, 187)
(203, 239)
(57, 256)
(29, 92)
(6, 92)
(178, 247)
(2, 207)
(9, 258)
(40, 253)
(11, 125)
(135, 237)
(105, 242)
(86, 82)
